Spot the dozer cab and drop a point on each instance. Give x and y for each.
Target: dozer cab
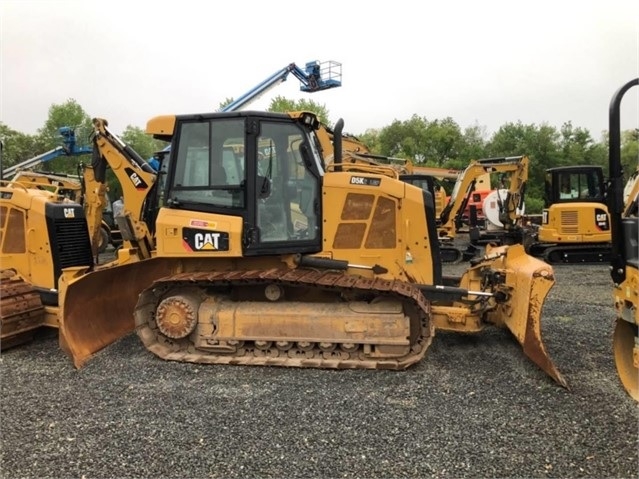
(624, 257)
(264, 255)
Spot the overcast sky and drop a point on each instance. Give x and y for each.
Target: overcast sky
(482, 62)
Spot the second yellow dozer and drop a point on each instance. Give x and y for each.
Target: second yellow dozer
(270, 257)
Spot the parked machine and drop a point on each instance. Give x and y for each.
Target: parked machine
(83, 189)
(575, 226)
(624, 258)
(452, 213)
(502, 210)
(316, 76)
(278, 260)
(43, 231)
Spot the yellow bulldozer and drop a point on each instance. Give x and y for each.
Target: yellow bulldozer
(262, 255)
(83, 189)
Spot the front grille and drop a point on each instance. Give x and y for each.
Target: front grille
(73, 243)
(68, 236)
(569, 222)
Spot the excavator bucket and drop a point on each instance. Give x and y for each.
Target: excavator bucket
(528, 281)
(97, 307)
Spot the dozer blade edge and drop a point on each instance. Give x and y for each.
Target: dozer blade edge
(528, 282)
(97, 307)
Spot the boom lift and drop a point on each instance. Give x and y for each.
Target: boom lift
(316, 76)
(69, 147)
(282, 260)
(624, 258)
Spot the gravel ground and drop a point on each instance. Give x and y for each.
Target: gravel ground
(474, 407)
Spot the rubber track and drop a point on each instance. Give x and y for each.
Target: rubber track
(183, 350)
(586, 254)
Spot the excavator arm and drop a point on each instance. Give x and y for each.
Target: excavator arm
(631, 195)
(136, 177)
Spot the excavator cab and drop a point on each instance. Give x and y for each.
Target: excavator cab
(430, 184)
(574, 184)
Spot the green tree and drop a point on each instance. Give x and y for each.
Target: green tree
(225, 103)
(405, 139)
(444, 141)
(630, 151)
(283, 105)
(18, 147)
(579, 148)
(472, 145)
(145, 145)
(539, 143)
(68, 114)
(371, 139)
(417, 139)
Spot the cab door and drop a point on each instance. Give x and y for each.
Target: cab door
(285, 193)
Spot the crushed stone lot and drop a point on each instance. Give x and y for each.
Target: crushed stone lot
(474, 407)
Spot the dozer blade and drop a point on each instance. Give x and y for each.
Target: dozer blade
(529, 280)
(97, 307)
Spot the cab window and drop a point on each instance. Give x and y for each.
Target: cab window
(210, 167)
(287, 190)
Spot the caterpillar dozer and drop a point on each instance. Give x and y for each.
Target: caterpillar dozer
(82, 189)
(624, 259)
(268, 256)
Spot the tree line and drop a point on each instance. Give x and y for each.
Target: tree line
(439, 142)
